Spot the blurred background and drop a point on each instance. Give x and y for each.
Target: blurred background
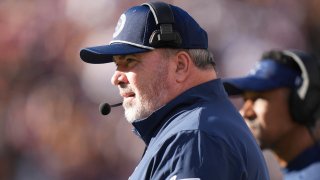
(50, 126)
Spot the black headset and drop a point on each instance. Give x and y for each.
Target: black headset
(165, 36)
(304, 101)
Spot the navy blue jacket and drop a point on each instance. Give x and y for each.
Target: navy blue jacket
(200, 135)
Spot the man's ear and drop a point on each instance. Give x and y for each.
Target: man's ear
(183, 63)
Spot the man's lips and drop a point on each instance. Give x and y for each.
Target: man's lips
(127, 95)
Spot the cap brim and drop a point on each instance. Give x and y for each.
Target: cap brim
(236, 86)
(104, 54)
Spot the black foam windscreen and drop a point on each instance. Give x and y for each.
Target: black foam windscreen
(105, 108)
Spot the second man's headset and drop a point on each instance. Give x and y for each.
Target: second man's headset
(304, 101)
(165, 36)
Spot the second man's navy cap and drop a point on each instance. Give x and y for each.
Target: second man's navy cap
(135, 28)
(268, 74)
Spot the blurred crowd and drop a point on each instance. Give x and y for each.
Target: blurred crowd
(50, 127)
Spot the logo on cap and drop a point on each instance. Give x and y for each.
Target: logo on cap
(120, 25)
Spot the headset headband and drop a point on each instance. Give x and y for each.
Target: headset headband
(302, 90)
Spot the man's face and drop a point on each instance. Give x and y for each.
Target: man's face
(267, 115)
(143, 83)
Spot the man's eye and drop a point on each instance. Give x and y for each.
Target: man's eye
(127, 62)
(130, 62)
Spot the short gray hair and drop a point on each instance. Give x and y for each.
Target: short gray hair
(202, 58)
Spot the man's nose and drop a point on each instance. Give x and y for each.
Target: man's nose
(119, 78)
(247, 110)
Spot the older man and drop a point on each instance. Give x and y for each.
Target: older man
(173, 98)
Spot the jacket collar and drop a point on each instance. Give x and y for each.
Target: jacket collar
(148, 127)
(307, 157)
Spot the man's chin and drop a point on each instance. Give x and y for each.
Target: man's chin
(130, 114)
(133, 114)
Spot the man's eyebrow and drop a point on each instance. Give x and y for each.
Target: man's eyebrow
(118, 57)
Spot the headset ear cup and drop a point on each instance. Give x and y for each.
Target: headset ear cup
(157, 40)
(305, 111)
(178, 39)
(304, 101)
(165, 36)
(295, 107)
(300, 110)
(312, 105)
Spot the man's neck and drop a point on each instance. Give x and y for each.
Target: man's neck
(202, 76)
(292, 144)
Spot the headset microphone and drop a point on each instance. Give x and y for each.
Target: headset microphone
(105, 108)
